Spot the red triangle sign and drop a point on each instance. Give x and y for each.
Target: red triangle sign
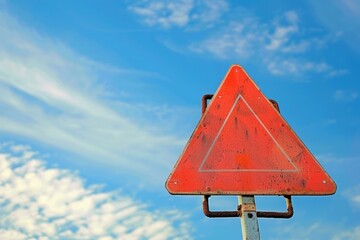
(243, 146)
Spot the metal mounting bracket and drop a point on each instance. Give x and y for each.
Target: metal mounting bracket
(247, 208)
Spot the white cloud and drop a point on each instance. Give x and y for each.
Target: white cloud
(352, 234)
(356, 199)
(315, 230)
(52, 95)
(340, 16)
(345, 95)
(282, 33)
(279, 66)
(353, 195)
(337, 73)
(330, 122)
(326, 158)
(236, 40)
(275, 45)
(279, 45)
(164, 13)
(50, 203)
(168, 14)
(249, 37)
(208, 12)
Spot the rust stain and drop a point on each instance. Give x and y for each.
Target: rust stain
(303, 183)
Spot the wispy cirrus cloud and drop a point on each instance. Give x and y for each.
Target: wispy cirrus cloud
(50, 203)
(283, 45)
(53, 95)
(353, 195)
(351, 234)
(281, 35)
(345, 95)
(356, 199)
(164, 14)
(236, 40)
(182, 14)
(340, 16)
(316, 230)
(280, 45)
(294, 66)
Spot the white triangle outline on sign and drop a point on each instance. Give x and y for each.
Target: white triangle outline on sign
(200, 169)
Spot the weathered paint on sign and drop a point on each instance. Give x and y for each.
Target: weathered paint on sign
(243, 146)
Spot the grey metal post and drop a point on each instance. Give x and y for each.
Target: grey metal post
(249, 220)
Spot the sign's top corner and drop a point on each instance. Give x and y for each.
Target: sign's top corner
(236, 67)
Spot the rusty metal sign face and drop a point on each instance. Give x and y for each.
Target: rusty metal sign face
(243, 146)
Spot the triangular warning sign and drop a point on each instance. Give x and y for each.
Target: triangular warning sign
(243, 146)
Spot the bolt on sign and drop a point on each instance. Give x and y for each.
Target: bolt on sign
(243, 146)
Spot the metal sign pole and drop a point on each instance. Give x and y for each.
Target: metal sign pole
(249, 220)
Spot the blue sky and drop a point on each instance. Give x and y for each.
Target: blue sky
(99, 98)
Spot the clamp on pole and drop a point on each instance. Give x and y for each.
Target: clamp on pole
(217, 214)
(247, 208)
